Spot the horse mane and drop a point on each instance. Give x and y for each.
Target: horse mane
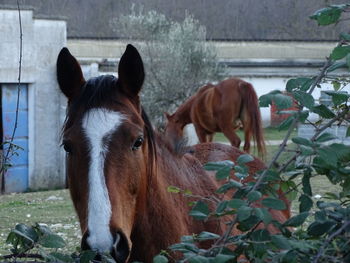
(94, 93)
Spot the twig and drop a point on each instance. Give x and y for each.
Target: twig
(10, 147)
(36, 256)
(329, 239)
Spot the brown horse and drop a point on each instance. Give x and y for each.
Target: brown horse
(119, 168)
(221, 108)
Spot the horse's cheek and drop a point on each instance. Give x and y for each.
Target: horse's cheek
(137, 169)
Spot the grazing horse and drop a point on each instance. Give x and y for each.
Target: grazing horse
(119, 168)
(221, 108)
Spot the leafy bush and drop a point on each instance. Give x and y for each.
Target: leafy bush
(320, 231)
(40, 244)
(177, 58)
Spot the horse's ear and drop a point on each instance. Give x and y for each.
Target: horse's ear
(131, 73)
(69, 75)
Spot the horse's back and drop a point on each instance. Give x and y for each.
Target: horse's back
(213, 152)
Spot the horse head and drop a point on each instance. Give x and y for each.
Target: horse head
(108, 147)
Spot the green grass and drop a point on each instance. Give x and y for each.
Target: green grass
(53, 208)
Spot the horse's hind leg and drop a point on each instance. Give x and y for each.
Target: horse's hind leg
(210, 137)
(201, 133)
(247, 137)
(231, 136)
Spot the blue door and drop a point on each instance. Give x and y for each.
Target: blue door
(16, 177)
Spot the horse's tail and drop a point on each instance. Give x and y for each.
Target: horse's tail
(252, 116)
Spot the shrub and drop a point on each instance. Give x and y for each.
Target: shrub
(320, 230)
(177, 58)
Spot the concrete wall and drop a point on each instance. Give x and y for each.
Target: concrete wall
(42, 41)
(267, 65)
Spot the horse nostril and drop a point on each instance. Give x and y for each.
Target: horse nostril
(120, 250)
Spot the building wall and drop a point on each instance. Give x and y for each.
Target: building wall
(268, 65)
(42, 41)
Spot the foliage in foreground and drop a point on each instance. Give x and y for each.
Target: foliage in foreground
(320, 230)
(38, 243)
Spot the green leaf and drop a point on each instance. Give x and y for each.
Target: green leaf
(304, 99)
(266, 99)
(330, 154)
(207, 236)
(244, 213)
(261, 235)
(303, 115)
(222, 258)
(306, 150)
(263, 214)
(52, 241)
(340, 52)
(26, 231)
(305, 203)
(297, 220)
(200, 211)
(328, 15)
(282, 101)
(160, 259)
(254, 196)
(245, 158)
(221, 207)
(87, 256)
(216, 166)
(280, 242)
(299, 84)
(348, 132)
(302, 141)
(323, 111)
(325, 137)
(274, 203)
(306, 184)
(236, 203)
(336, 65)
(338, 97)
(59, 257)
(286, 123)
(198, 259)
(230, 185)
(336, 85)
(348, 65)
(223, 173)
(319, 228)
(345, 36)
(173, 189)
(184, 247)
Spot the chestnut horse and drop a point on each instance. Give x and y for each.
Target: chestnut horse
(221, 108)
(119, 168)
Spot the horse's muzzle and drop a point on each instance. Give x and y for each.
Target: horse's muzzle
(120, 250)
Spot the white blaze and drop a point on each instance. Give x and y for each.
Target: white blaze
(97, 124)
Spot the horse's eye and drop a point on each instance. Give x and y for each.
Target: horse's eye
(67, 147)
(137, 144)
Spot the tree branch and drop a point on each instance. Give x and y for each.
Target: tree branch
(329, 239)
(10, 147)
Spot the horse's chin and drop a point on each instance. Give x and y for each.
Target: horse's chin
(121, 250)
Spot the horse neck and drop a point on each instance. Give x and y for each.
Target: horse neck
(183, 113)
(165, 217)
